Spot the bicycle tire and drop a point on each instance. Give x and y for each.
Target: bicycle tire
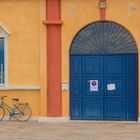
(26, 112)
(2, 112)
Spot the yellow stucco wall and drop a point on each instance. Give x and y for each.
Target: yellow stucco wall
(43, 68)
(32, 97)
(27, 45)
(78, 13)
(22, 19)
(75, 14)
(127, 13)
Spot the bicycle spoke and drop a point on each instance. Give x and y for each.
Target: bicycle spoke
(2, 113)
(23, 112)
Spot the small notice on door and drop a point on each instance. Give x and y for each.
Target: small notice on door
(93, 85)
(111, 86)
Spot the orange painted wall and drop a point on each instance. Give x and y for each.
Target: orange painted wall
(127, 13)
(75, 14)
(32, 97)
(78, 13)
(23, 20)
(27, 42)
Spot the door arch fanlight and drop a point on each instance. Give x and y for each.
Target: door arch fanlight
(103, 38)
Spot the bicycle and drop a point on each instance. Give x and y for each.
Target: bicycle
(21, 111)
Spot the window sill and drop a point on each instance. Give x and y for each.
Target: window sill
(2, 87)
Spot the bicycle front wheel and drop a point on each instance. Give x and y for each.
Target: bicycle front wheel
(2, 113)
(23, 112)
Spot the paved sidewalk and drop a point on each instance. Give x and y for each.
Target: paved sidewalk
(33, 130)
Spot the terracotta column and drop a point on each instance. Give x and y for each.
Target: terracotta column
(102, 6)
(53, 22)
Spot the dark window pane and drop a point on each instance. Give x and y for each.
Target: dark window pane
(1, 60)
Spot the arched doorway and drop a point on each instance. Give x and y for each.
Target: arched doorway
(104, 73)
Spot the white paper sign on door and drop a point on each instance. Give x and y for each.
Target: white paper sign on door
(111, 86)
(93, 85)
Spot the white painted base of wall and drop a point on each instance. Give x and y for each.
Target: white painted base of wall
(66, 119)
(53, 119)
(13, 118)
(138, 120)
(20, 88)
(43, 119)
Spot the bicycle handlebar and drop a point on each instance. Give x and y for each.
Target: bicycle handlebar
(3, 97)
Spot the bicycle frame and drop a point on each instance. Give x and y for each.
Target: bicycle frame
(20, 111)
(10, 110)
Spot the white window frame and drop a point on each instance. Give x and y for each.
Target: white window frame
(5, 34)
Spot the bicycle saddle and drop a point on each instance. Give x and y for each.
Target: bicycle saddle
(16, 99)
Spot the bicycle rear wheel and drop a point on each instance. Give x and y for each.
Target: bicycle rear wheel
(2, 113)
(23, 112)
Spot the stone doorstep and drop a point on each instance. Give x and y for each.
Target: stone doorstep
(67, 119)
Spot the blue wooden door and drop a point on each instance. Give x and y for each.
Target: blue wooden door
(103, 87)
(114, 88)
(92, 99)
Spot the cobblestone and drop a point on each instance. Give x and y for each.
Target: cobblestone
(74, 130)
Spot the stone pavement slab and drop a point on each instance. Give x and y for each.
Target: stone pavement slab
(74, 130)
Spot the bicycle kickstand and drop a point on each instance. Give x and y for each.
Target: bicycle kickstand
(10, 116)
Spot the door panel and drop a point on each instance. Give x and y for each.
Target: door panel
(114, 65)
(76, 66)
(93, 109)
(87, 91)
(114, 109)
(76, 87)
(92, 65)
(132, 67)
(131, 107)
(76, 109)
(131, 87)
(92, 99)
(114, 86)
(114, 101)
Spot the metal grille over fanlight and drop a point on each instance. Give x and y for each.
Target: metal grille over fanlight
(103, 38)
